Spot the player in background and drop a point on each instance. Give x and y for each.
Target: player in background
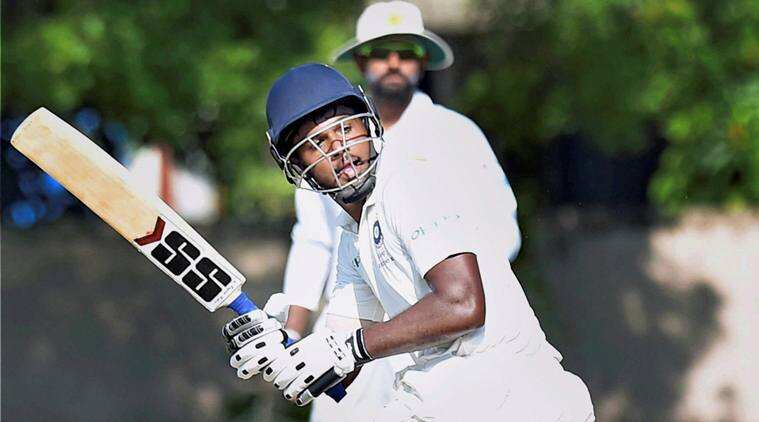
(420, 245)
(392, 50)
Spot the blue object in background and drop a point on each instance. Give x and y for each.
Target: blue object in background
(22, 214)
(27, 182)
(31, 196)
(116, 134)
(8, 127)
(87, 120)
(51, 186)
(15, 159)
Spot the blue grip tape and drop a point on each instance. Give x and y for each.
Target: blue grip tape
(243, 304)
(337, 392)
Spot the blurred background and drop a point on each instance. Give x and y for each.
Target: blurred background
(629, 131)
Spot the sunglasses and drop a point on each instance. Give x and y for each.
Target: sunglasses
(405, 50)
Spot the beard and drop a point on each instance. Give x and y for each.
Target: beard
(384, 91)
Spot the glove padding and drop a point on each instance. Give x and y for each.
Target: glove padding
(253, 339)
(298, 366)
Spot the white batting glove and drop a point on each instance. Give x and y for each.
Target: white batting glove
(296, 368)
(254, 338)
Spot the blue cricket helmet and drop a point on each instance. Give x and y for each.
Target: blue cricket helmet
(301, 91)
(305, 90)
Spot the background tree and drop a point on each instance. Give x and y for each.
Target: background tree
(193, 74)
(624, 73)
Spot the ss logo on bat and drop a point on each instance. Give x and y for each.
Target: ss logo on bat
(184, 260)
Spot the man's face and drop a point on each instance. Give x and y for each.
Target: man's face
(392, 66)
(329, 153)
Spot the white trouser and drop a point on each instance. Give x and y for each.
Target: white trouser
(489, 386)
(367, 395)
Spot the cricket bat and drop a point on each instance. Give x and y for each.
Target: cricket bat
(143, 219)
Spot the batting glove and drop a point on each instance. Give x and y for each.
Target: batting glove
(254, 338)
(321, 354)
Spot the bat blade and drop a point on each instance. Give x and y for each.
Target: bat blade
(151, 226)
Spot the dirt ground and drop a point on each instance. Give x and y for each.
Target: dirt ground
(659, 320)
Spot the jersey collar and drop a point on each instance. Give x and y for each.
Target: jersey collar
(346, 222)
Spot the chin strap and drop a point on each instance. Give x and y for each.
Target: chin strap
(356, 192)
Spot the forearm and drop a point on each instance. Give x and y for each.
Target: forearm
(455, 306)
(428, 323)
(298, 318)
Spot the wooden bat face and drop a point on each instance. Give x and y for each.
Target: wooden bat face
(151, 226)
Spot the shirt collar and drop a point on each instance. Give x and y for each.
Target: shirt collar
(346, 222)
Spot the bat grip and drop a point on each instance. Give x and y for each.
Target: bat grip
(243, 304)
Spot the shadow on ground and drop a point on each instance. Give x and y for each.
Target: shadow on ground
(630, 337)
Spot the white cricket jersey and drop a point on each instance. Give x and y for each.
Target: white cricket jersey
(425, 131)
(440, 191)
(429, 131)
(310, 263)
(505, 370)
(415, 218)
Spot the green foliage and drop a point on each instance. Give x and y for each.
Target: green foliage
(172, 71)
(196, 74)
(619, 70)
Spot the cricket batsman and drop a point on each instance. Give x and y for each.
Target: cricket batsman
(392, 49)
(417, 245)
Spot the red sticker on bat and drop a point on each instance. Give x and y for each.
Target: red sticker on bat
(152, 237)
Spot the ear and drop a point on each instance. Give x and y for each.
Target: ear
(423, 64)
(360, 62)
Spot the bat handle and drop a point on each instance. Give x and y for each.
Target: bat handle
(243, 304)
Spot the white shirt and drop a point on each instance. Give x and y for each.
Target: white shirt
(414, 219)
(426, 131)
(429, 131)
(311, 261)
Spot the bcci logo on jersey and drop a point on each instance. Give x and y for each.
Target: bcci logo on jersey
(383, 257)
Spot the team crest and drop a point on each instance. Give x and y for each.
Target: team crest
(383, 257)
(377, 233)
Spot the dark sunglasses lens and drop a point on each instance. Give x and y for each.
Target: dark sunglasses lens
(408, 54)
(405, 51)
(379, 53)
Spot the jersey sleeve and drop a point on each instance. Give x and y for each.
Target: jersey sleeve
(351, 296)
(479, 151)
(433, 217)
(514, 233)
(310, 260)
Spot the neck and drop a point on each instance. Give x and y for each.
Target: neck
(391, 108)
(353, 209)
(390, 112)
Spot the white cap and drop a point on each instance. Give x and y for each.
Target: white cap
(385, 19)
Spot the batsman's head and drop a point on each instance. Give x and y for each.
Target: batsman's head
(392, 49)
(324, 132)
